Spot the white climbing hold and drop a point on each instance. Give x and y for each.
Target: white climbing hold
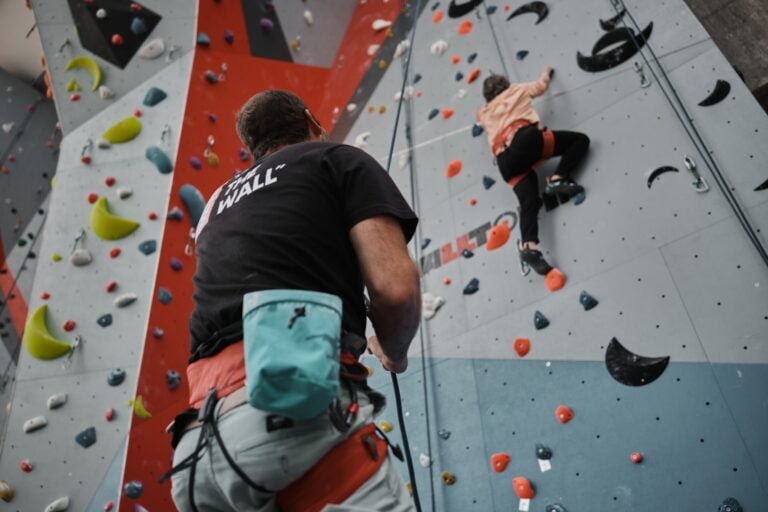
(58, 505)
(35, 423)
(461, 93)
(362, 140)
(402, 160)
(125, 299)
(373, 49)
(408, 93)
(7, 127)
(424, 460)
(105, 92)
(124, 192)
(81, 257)
(351, 107)
(402, 47)
(430, 304)
(308, 17)
(153, 49)
(101, 13)
(57, 400)
(438, 47)
(381, 25)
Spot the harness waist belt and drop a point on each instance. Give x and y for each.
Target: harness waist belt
(506, 133)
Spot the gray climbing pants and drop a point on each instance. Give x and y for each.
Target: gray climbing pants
(274, 460)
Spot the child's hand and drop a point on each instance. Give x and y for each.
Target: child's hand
(549, 71)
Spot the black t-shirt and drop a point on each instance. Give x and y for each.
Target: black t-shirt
(284, 223)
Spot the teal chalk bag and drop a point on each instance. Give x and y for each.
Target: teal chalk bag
(292, 344)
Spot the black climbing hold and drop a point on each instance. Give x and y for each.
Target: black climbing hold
(539, 320)
(87, 437)
(612, 23)
(105, 320)
(488, 182)
(579, 198)
(538, 8)
(658, 172)
(718, 94)
(435, 6)
(172, 379)
(425, 243)
(459, 75)
(556, 507)
(477, 130)
(472, 286)
(543, 452)
(175, 213)
(133, 489)
(631, 369)
(521, 54)
(154, 96)
(730, 505)
(116, 377)
(416, 78)
(164, 295)
(467, 253)
(433, 113)
(457, 11)
(762, 186)
(587, 300)
(147, 247)
(631, 43)
(444, 434)
(490, 9)
(229, 36)
(471, 58)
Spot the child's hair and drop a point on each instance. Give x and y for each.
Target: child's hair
(494, 85)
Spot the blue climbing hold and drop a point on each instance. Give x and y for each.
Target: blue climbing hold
(133, 489)
(472, 286)
(467, 253)
(203, 40)
(193, 201)
(211, 77)
(176, 264)
(229, 36)
(416, 78)
(138, 26)
(195, 163)
(116, 377)
(521, 54)
(172, 379)
(433, 113)
(435, 6)
(425, 243)
(158, 333)
(87, 437)
(587, 300)
(488, 182)
(539, 320)
(175, 213)
(579, 198)
(105, 320)
(543, 452)
(459, 75)
(147, 247)
(477, 130)
(730, 505)
(164, 296)
(154, 96)
(158, 157)
(244, 155)
(490, 9)
(472, 57)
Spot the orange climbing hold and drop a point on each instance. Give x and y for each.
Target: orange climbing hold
(473, 75)
(522, 346)
(465, 27)
(447, 112)
(446, 281)
(498, 236)
(554, 280)
(472, 202)
(455, 59)
(437, 17)
(500, 461)
(453, 169)
(523, 488)
(636, 457)
(563, 414)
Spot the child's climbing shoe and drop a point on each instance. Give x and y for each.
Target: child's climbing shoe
(535, 260)
(563, 187)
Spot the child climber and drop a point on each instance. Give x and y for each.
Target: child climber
(520, 144)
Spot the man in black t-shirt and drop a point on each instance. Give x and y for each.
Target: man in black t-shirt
(309, 215)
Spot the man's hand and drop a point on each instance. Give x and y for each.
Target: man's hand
(391, 365)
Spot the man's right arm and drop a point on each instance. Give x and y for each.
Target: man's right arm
(392, 280)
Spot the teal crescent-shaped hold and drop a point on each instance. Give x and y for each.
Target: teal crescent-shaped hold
(193, 201)
(159, 157)
(154, 96)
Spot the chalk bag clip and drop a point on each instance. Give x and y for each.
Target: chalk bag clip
(699, 185)
(645, 82)
(75, 345)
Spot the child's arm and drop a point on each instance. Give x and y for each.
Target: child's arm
(541, 85)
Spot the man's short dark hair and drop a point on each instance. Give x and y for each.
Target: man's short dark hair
(494, 85)
(272, 119)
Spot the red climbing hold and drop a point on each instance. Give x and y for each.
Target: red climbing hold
(498, 236)
(446, 281)
(523, 488)
(152, 216)
(136, 112)
(500, 461)
(465, 27)
(109, 181)
(563, 414)
(117, 39)
(473, 75)
(522, 346)
(111, 286)
(45, 295)
(109, 414)
(455, 59)
(636, 457)
(115, 252)
(472, 202)
(93, 197)
(109, 506)
(136, 7)
(554, 280)
(437, 17)
(85, 159)
(74, 96)
(447, 113)
(507, 7)
(69, 325)
(453, 169)
(25, 465)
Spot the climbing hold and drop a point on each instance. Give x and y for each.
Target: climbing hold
(266, 24)
(211, 77)
(521, 54)
(473, 75)
(35, 423)
(380, 24)
(105, 320)
(500, 461)
(636, 457)
(730, 505)
(459, 76)
(472, 287)
(471, 58)
(116, 377)
(498, 236)
(446, 281)
(90, 65)
(154, 96)
(110, 287)
(157, 333)
(522, 346)
(543, 452)
(477, 130)
(147, 247)
(424, 460)
(138, 27)
(444, 434)
(430, 304)
(554, 280)
(448, 478)
(587, 300)
(563, 414)
(172, 379)
(203, 40)
(447, 112)
(453, 169)
(45, 295)
(385, 426)
(109, 181)
(195, 162)
(467, 253)
(74, 96)
(472, 202)
(539, 320)
(152, 49)
(117, 40)
(138, 408)
(152, 216)
(490, 9)
(73, 86)
(229, 36)
(158, 157)
(243, 154)
(25, 465)
(193, 201)
(6, 491)
(58, 505)
(309, 19)
(538, 8)
(109, 414)
(87, 437)
(718, 94)
(555, 507)
(438, 47)
(425, 243)
(658, 172)
(437, 17)
(433, 113)
(465, 27)
(108, 226)
(455, 59)
(600, 60)
(401, 48)
(212, 158)
(69, 325)
(38, 339)
(164, 296)
(579, 198)
(122, 131)
(175, 213)
(80, 257)
(523, 488)
(762, 186)
(133, 489)
(124, 192)
(105, 93)
(176, 264)
(416, 78)
(488, 182)
(631, 369)
(109, 506)
(56, 400)
(125, 300)
(93, 197)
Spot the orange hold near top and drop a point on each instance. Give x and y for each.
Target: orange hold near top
(563, 414)
(473, 75)
(455, 59)
(437, 17)
(465, 27)
(498, 236)
(500, 461)
(453, 169)
(554, 280)
(447, 112)
(522, 346)
(523, 488)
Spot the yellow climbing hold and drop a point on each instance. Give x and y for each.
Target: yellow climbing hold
(382, 109)
(108, 226)
(409, 488)
(212, 158)
(382, 64)
(73, 86)
(371, 108)
(56, 257)
(385, 426)
(89, 65)
(139, 409)
(448, 478)
(122, 131)
(38, 339)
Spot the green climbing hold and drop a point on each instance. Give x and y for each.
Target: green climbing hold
(122, 131)
(108, 226)
(154, 96)
(73, 86)
(38, 339)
